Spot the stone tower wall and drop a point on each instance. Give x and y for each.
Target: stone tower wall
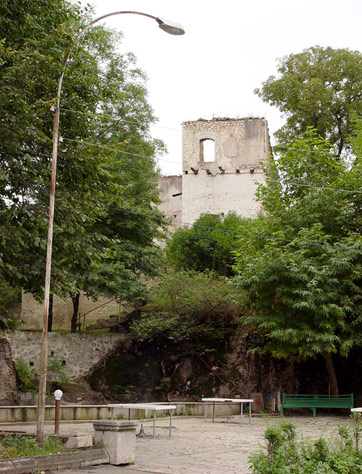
(229, 182)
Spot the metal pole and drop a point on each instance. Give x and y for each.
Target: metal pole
(57, 395)
(44, 340)
(169, 27)
(57, 416)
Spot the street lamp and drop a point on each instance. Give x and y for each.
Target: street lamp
(167, 26)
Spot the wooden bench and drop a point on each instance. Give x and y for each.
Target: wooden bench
(316, 401)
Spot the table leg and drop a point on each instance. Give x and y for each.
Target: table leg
(249, 413)
(170, 431)
(213, 412)
(204, 412)
(154, 423)
(241, 413)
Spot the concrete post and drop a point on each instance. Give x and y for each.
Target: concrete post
(118, 438)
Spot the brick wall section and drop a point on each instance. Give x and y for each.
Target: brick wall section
(79, 351)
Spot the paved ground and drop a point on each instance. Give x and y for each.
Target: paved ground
(204, 448)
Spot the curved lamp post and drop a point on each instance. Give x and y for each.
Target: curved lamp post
(167, 26)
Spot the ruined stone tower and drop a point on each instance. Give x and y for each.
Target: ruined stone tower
(222, 165)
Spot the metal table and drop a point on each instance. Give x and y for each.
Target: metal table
(241, 401)
(145, 406)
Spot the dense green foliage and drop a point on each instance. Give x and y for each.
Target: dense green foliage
(105, 190)
(19, 446)
(9, 298)
(302, 271)
(319, 88)
(209, 244)
(27, 377)
(286, 455)
(193, 309)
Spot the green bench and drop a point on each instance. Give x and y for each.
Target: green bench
(316, 401)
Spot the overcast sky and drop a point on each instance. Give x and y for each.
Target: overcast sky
(230, 48)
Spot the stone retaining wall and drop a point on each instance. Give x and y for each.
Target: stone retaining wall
(78, 352)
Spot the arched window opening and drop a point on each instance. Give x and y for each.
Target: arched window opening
(207, 150)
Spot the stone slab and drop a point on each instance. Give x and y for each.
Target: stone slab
(75, 460)
(84, 441)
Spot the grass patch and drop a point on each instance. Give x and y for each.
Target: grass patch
(23, 446)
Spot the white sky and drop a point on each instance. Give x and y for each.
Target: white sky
(230, 48)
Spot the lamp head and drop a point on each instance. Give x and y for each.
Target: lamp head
(58, 394)
(170, 27)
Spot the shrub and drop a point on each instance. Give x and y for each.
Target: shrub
(27, 377)
(285, 455)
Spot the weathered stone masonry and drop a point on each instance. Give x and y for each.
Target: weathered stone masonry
(79, 351)
(228, 181)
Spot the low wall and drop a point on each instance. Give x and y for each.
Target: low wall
(81, 458)
(78, 352)
(16, 414)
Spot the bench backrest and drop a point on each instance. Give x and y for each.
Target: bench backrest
(318, 401)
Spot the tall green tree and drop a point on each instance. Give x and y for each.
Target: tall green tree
(319, 88)
(106, 160)
(302, 270)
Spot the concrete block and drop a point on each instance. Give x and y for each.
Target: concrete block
(118, 438)
(84, 441)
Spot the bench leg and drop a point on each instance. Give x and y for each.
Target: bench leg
(314, 410)
(170, 430)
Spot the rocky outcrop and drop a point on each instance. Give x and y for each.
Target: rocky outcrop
(8, 383)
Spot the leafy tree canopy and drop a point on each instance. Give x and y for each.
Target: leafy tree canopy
(196, 310)
(319, 88)
(300, 266)
(208, 245)
(106, 180)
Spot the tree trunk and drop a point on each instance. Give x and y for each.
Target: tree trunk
(50, 313)
(332, 374)
(74, 321)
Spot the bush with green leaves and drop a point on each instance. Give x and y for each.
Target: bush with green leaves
(189, 308)
(56, 370)
(27, 376)
(286, 455)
